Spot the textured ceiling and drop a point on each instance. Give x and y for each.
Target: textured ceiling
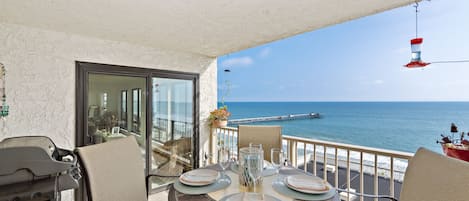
(207, 27)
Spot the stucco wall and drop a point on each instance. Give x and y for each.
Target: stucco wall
(40, 79)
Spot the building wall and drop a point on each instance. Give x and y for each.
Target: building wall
(40, 82)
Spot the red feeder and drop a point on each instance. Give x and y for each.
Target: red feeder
(416, 43)
(416, 61)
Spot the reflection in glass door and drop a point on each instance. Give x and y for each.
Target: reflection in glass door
(108, 118)
(173, 127)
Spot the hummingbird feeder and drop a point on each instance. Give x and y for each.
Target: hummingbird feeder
(416, 46)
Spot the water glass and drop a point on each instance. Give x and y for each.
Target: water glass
(223, 157)
(259, 147)
(277, 158)
(207, 159)
(255, 169)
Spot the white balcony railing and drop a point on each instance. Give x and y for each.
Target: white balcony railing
(304, 153)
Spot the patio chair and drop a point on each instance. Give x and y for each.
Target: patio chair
(168, 157)
(433, 177)
(269, 136)
(114, 170)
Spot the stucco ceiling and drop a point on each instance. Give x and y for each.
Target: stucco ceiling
(207, 27)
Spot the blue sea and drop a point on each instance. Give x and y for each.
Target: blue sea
(402, 126)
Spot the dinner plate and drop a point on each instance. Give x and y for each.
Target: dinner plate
(199, 177)
(219, 184)
(280, 187)
(294, 181)
(249, 197)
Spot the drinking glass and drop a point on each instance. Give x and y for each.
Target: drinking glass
(207, 159)
(255, 168)
(224, 156)
(259, 147)
(277, 158)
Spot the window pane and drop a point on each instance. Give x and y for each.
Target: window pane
(136, 110)
(123, 110)
(172, 128)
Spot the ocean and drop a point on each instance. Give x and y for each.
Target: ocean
(403, 126)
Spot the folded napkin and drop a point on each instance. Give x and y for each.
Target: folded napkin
(200, 176)
(307, 183)
(267, 164)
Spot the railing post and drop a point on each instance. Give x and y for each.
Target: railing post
(292, 152)
(336, 169)
(305, 163)
(314, 160)
(213, 144)
(172, 130)
(324, 165)
(391, 178)
(375, 186)
(362, 183)
(348, 175)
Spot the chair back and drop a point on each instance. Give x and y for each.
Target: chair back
(435, 177)
(269, 136)
(114, 170)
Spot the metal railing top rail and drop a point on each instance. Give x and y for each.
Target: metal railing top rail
(357, 148)
(178, 121)
(229, 128)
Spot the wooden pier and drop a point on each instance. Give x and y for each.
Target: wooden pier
(274, 118)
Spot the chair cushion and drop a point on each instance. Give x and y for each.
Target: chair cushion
(269, 136)
(115, 170)
(435, 177)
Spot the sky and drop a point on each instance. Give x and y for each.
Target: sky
(359, 60)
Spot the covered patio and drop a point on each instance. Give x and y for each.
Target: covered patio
(43, 42)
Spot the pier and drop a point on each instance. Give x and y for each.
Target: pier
(274, 118)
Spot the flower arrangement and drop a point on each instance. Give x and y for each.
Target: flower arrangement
(219, 117)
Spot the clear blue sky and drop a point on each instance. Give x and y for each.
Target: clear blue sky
(360, 60)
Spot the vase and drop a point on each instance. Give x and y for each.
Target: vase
(219, 123)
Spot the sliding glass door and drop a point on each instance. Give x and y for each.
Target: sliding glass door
(158, 108)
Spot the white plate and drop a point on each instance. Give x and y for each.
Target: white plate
(281, 187)
(249, 197)
(305, 180)
(199, 177)
(220, 184)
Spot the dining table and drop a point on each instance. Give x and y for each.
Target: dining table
(265, 188)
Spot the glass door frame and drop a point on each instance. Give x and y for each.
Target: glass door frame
(82, 71)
